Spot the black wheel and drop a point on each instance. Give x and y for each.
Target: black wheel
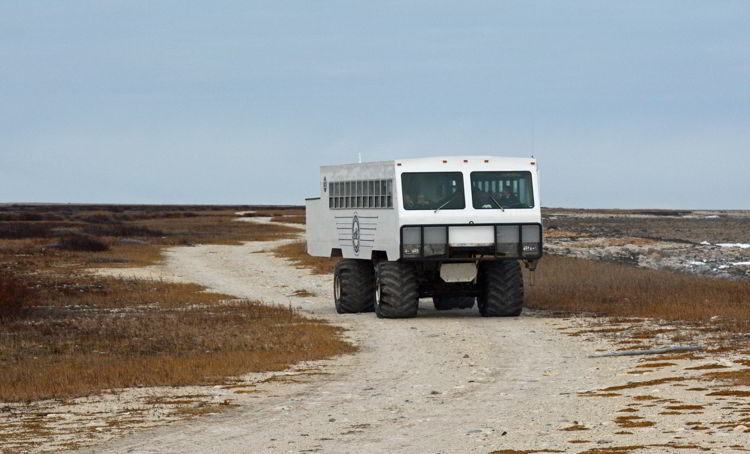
(396, 290)
(443, 303)
(354, 286)
(501, 289)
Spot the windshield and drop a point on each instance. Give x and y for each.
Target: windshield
(433, 191)
(501, 190)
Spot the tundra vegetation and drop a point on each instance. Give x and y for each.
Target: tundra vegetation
(67, 333)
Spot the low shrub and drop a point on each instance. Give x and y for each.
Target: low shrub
(14, 295)
(82, 243)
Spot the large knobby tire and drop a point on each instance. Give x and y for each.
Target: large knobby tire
(396, 290)
(443, 303)
(354, 286)
(502, 289)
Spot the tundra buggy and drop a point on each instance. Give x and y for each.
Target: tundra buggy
(452, 228)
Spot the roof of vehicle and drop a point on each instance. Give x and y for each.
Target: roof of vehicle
(459, 159)
(432, 163)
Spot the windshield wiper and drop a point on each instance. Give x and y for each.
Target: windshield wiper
(496, 202)
(446, 202)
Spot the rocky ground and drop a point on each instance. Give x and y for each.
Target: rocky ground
(710, 243)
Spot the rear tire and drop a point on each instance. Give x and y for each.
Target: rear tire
(354, 286)
(397, 290)
(443, 303)
(501, 289)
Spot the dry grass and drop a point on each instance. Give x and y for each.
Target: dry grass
(14, 296)
(133, 333)
(735, 377)
(630, 422)
(214, 228)
(296, 253)
(575, 285)
(120, 235)
(638, 384)
(290, 219)
(81, 334)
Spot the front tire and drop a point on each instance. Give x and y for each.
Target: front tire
(354, 286)
(396, 290)
(501, 289)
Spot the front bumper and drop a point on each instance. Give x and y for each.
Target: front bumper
(476, 241)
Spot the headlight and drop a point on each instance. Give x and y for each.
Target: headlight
(507, 239)
(532, 240)
(411, 240)
(435, 240)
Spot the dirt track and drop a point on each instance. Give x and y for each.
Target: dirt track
(443, 382)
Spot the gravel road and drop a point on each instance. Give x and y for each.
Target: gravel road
(444, 382)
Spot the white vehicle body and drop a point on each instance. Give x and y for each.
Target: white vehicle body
(362, 213)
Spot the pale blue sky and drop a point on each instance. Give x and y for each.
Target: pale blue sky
(625, 104)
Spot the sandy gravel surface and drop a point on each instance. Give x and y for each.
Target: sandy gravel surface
(444, 382)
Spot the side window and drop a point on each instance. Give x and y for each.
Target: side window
(360, 194)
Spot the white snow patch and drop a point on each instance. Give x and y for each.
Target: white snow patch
(739, 245)
(698, 263)
(741, 263)
(705, 243)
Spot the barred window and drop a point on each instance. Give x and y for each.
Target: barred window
(360, 194)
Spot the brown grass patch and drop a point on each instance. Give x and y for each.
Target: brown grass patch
(596, 394)
(303, 293)
(295, 252)
(169, 339)
(81, 334)
(574, 427)
(634, 448)
(672, 357)
(15, 295)
(630, 240)
(575, 285)
(639, 384)
(630, 422)
(732, 393)
(290, 219)
(706, 367)
(735, 377)
(524, 451)
(654, 365)
(685, 407)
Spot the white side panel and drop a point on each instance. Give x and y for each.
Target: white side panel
(315, 229)
(356, 232)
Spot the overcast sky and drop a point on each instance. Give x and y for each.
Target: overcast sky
(625, 104)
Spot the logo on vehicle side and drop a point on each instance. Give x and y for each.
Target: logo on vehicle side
(355, 234)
